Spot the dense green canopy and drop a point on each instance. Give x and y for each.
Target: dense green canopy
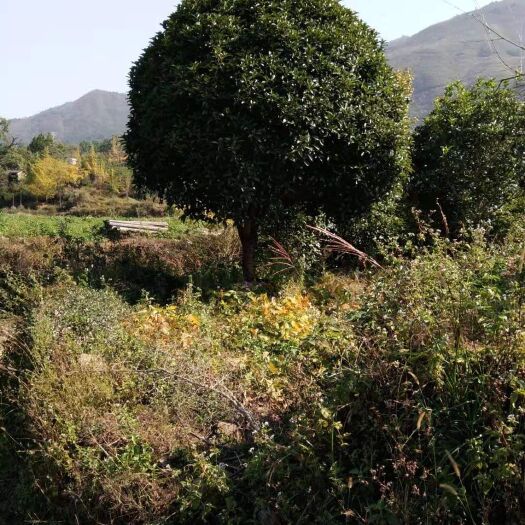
(469, 155)
(242, 107)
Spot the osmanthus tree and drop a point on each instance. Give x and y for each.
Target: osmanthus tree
(469, 154)
(242, 108)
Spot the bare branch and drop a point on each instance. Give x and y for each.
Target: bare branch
(479, 16)
(223, 392)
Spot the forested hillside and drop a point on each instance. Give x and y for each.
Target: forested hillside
(458, 49)
(97, 115)
(461, 49)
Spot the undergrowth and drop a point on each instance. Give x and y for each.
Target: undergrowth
(392, 396)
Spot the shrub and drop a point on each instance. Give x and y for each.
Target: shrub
(26, 266)
(433, 407)
(469, 155)
(159, 266)
(290, 250)
(151, 412)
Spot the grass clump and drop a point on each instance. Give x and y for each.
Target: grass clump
(142, 412)
(93, 202)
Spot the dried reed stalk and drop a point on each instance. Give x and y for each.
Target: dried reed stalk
(337, 244)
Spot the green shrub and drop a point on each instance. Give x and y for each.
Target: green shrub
(433, 406)
(469, 156)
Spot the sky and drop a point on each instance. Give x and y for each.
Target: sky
(55, 51)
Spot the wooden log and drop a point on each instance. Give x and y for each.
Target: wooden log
(139, 229)
(130, 227)
(136, 230)
(137, 223)
(137, 226)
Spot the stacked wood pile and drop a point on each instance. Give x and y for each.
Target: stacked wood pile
(137, 226)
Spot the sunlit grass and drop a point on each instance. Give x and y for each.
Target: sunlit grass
(22, 225)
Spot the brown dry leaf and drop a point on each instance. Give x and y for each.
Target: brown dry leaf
(420, 419)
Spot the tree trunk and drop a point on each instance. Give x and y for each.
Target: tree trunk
(248, 233)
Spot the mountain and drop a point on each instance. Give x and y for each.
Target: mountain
(458, 49)
(461, 49)
(95, 116)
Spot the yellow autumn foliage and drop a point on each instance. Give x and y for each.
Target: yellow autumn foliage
(94, 166)
(49, 177)
(166, 325)
(290, 318)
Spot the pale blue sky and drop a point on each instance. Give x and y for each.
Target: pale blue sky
(55, 51)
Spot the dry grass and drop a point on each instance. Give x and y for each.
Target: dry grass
(29, 256)
(126, 404)
(336, 244)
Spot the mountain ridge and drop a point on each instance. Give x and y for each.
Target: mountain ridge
(455, 49)
(96, 115)
(460, 48)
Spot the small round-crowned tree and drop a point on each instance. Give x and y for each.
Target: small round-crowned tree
(469, 154)
(240, 108)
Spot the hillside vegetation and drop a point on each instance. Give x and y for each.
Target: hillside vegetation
(461, 49)
(330, 331)
(97, 115)
(457, 49)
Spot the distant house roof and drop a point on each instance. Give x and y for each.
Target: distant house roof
(16, 175)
